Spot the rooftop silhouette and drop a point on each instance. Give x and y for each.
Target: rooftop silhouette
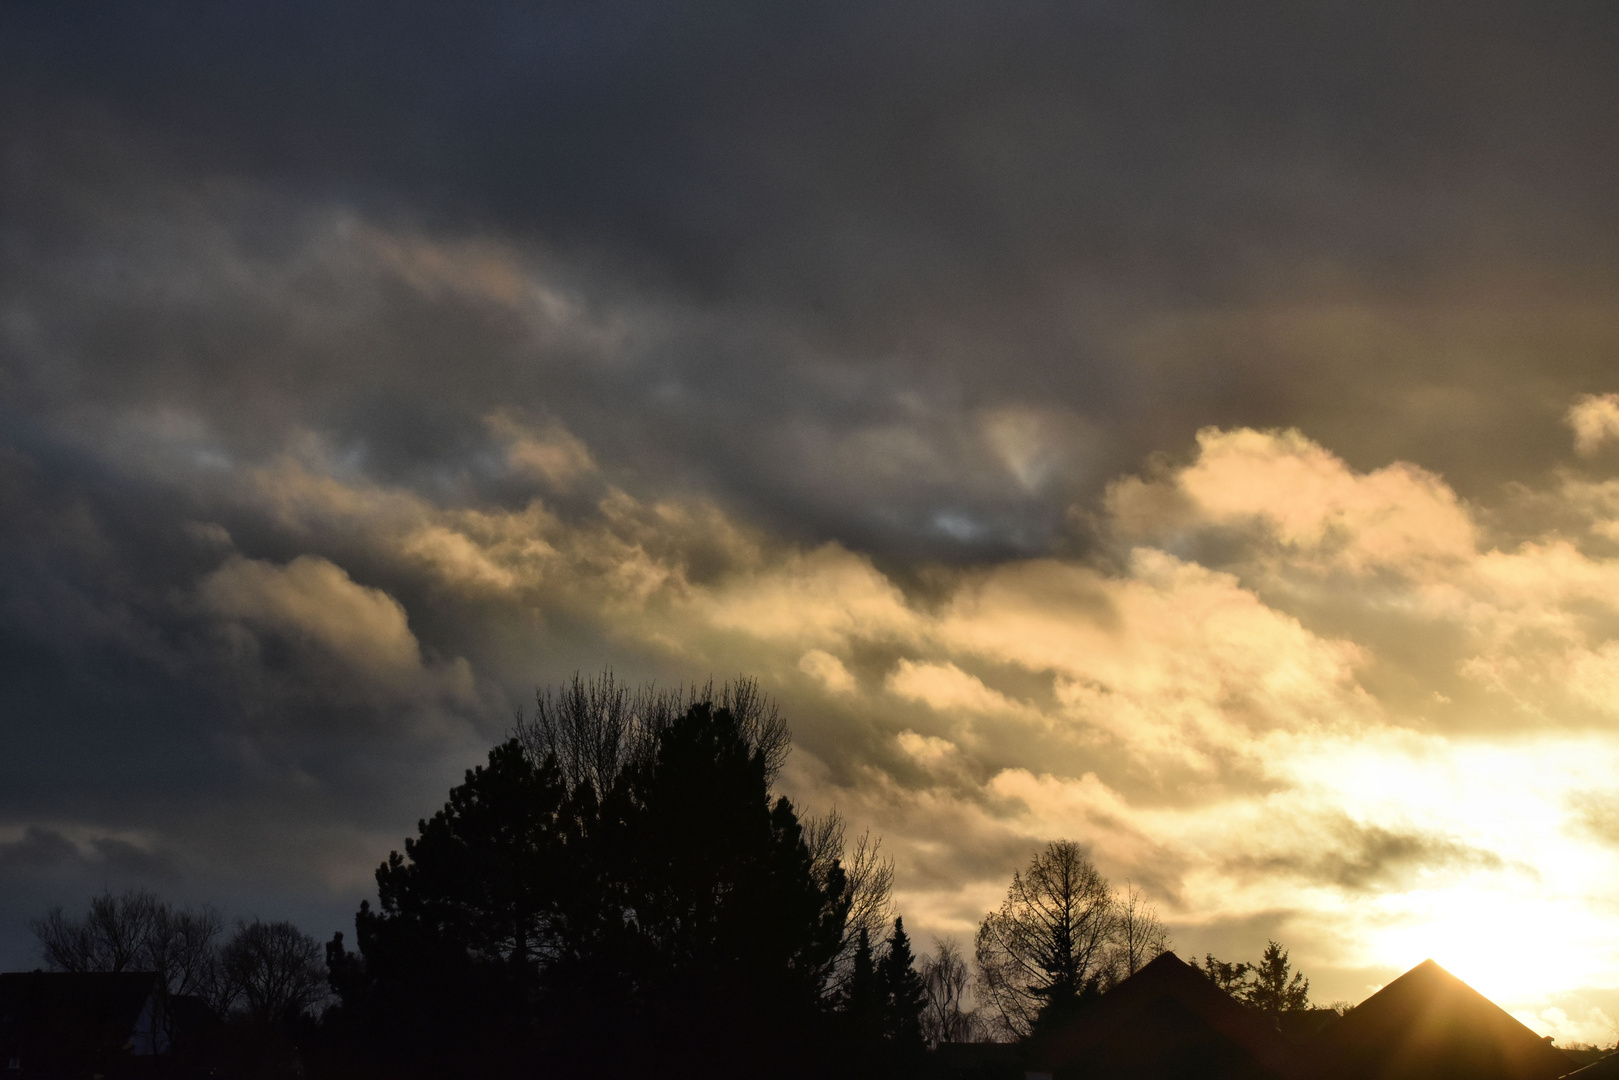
(1170, 1021)
(1429, 1024)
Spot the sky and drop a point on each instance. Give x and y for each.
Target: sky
(1185, 429)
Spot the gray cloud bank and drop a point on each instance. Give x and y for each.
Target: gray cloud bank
(360, 368)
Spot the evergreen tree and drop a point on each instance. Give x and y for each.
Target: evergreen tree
(661, 906)
(731, 919)
(903, 993)
(862, 1001)
(1232, 978)
(467, 917)
(484, 868)
(1274, 987)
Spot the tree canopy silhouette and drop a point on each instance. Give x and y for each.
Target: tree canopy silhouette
(881, 1005)
(273, 971)
(1271, 986)
(1061, 935)
(903, 993)
(945, 1015)
(616, 889)
(136, 931)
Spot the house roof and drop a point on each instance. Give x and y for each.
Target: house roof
(1602, 1069)
(70, 1021)
(1165, 1022)
(1429, 1025)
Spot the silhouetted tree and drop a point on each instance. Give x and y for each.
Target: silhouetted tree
(112, 936)
(1139, 935)
(617, 889)
(729, 916)
(597, 730)
(903, 994)
(945, 978)
(468, 916)
(1049, 942)
(273, 978)
(1273, 987)
(274, 970)
(138, 931)
(601, 733)
(485, 869)
(1232, 978)
(880, 1006)
(868, 885)
(861, 1001)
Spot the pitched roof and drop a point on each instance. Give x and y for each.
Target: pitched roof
(1429, 1025)
(1602, 1069)
(1165, 1022)
(71, 1021)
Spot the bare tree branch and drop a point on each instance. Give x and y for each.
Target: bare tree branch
(1141, 936)
(946, 980)
(273, 970)
(1054, 937)
(868, 883)
(596, 729)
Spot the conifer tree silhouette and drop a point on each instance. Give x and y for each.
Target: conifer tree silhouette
(863, 999)
(903, 993)
(664, 909)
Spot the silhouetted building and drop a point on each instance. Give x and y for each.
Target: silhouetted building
(1606, 1068)
(72, 1024)
(1429, 1025)
(978, 1061)
(1301, 1027)
(1170, 1022)
(1166, 1022)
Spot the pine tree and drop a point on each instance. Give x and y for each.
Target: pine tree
(1275, 987)
(863, 997)
(1232, 978)
(903, 992)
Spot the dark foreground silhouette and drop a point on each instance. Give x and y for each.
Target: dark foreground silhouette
(662, 915)
(617, 893)
(1172, 1022)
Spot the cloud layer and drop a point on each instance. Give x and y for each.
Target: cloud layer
(1181, 431)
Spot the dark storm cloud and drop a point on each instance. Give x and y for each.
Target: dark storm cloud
(284, 288)
(879, 222)
(131, 708)
(48, 850)
(38, 848)
(1369, 858)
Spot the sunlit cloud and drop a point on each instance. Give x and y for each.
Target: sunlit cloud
(1595, 420)
(1206, 462)
(1213, 739)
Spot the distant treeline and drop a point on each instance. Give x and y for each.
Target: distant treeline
(618, 892)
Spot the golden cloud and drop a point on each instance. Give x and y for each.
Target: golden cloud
(1224, 732)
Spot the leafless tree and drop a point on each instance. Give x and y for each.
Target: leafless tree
(946, 978)
(112, 936)
(596, 728)
(1140, 936)
(272, 970)
(136, 931)
(868, 883)
(1049, 941)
